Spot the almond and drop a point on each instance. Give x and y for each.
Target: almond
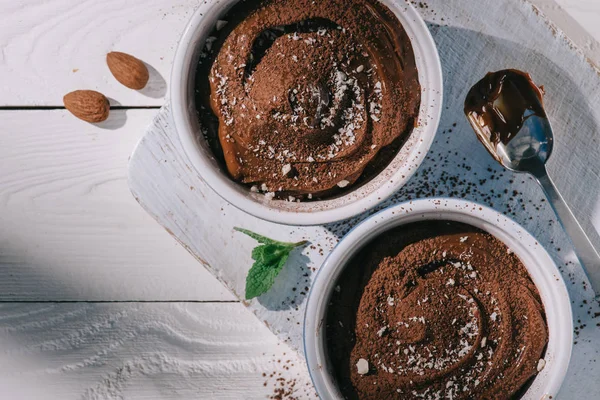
(88, 105)
(128, 70)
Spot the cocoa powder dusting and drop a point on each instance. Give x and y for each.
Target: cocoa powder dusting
(299, 97)
(443, 311)
(285, 378)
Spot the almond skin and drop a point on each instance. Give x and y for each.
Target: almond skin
(88, 105)
(128, 70)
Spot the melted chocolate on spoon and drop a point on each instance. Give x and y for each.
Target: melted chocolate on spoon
(500, 104)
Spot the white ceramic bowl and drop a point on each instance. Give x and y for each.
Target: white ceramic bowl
(318, 212)
(540, 266)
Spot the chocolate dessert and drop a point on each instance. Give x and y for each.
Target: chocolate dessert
(435, 310)
(499, 105)
(307, 98)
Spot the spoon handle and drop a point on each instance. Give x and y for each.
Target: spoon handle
(587, 254)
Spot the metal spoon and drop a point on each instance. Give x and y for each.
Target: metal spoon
(506, 112)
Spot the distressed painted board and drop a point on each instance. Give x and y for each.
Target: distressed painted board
(116, 351)
(69, 227)
(472, 39)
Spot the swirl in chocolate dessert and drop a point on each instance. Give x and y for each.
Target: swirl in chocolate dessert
(446, 311)
(307, 95)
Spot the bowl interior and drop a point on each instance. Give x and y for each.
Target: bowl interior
(366, 196)
(538, 263)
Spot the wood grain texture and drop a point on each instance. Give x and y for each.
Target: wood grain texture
(49, 48)
(140, 351)
(69, 226)
(457, 165)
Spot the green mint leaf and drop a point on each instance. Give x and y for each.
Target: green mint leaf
(283, 260)
(260, 279)
(269, 253)
(269, 259)
(262, 276)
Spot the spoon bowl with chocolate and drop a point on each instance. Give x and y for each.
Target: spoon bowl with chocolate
(306, 112)
(506, 111)
(436, 299)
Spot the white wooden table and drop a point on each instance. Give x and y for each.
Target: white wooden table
(96, 300)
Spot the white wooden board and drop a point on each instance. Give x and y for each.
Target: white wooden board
(69, 227)
(141, 351)
(52, 47)
(49, 48)
(472, 39)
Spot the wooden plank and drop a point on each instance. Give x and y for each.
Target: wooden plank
(69, 226)
(141, 351)
(170, 351)
(50, 48)
(578, 19)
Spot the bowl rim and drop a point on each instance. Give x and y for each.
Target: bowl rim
(540, 266)
(328, 210)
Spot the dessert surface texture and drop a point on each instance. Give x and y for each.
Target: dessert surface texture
(303, 98)
(435, 310)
